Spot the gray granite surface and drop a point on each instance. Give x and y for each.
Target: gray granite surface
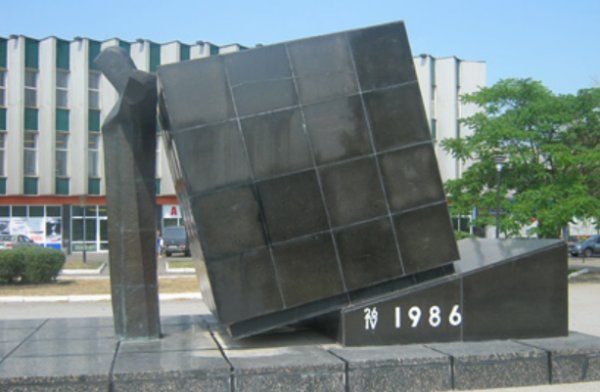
(197, 354)
(286, 368)
(495, 364)
(394, 368)
(574, 358)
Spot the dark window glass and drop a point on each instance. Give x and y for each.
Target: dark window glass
(36, 211)
(19, 211)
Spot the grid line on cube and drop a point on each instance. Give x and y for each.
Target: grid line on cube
(254, 81)
(296, 106)
(336, 229)
(318, 167)
(318, 176)
(255, 188)
(377, 163)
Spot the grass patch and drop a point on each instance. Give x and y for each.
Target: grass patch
(81, 265)
(181, 264)
(92, 287)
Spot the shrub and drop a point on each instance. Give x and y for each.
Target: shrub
(41, 264)
(31, 264)
(459, 235)
(11, 265)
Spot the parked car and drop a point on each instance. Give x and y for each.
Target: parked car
(176, 241)
(586, 248)
(15, 241)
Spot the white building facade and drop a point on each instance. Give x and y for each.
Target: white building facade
(53, 100)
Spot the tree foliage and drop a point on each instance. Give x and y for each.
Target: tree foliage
(552, 146)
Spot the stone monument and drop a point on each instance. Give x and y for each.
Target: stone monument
(311, 193)
(129, 135)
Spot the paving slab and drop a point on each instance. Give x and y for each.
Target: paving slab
(574, 358)
(7, 347)
(495, 364)
(82, 322)
(61, 331)
(60, 373)
(396, 368)
(21, 324)
(201, 370)
(177, 337)
(56, 348)
(286, 369)
(11, 335)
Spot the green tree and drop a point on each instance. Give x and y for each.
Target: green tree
(552, 146)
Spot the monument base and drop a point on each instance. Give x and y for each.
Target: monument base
(196, 354)
(512, 289)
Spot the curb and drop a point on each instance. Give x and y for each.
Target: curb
(87, 298)
(179, 270)
(96, 271)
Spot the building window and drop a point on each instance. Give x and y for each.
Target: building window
(157, 168)
(462, 223)
(94, 51)
(93, 155)
(31, 119)
(89, 228)
(62, 186)
(2, 88)
(93, 186)
(62, 89)
(126, 46)
(154, 57)
(94, 120)
(31, 82)
(62, 144)
(184, 52)
(93, 90)
(62, 120)
(3, 54)
(30, 154)
(94, 163)
(30, 185)
(2, 99)
(62, 54)
(2, 153)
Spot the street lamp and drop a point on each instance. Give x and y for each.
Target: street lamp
(499, 160)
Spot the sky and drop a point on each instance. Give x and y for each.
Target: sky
(554, 41)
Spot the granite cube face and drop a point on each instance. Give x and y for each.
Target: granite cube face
(191, 98)
(382, 56)
(247, 283)
(302, 163)
(323, 68)
(308, 269)
(212, 157)
(228, 222)
(368, 253)
(276, 143)
(337, 129)
(397, 117)
(353, 192)
(423, 252)
(293, 206)
(411, 177)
